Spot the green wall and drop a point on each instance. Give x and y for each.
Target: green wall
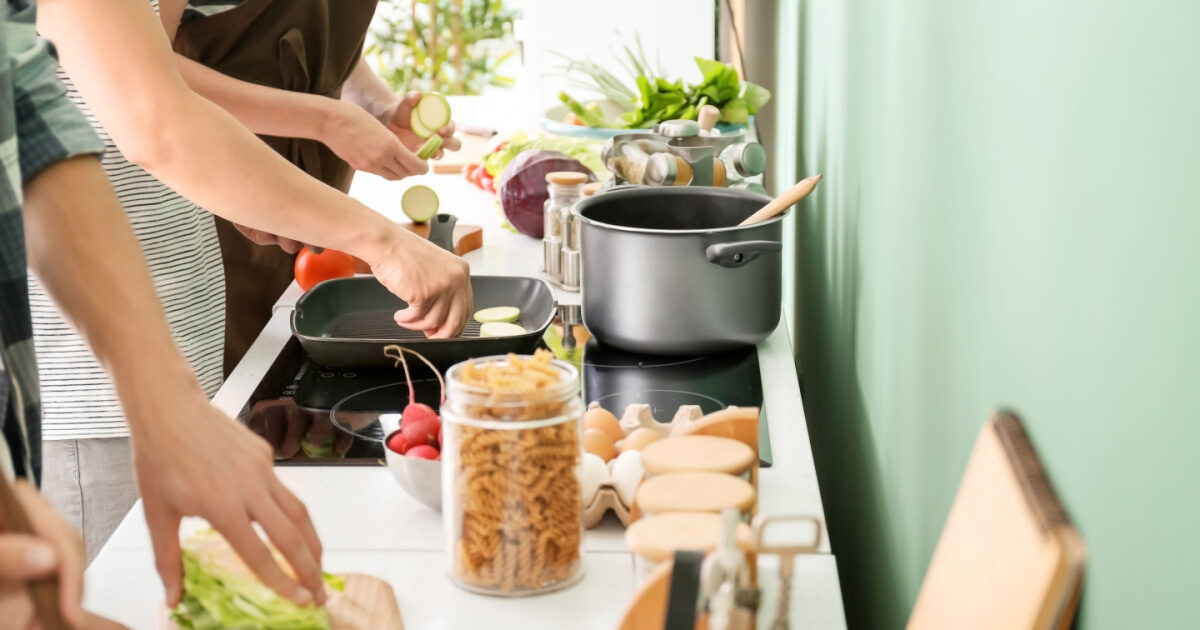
(1009, 217)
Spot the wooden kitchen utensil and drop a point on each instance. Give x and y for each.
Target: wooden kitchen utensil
(366, 603)
(43, 592)
(1008, 557)
(784, 201)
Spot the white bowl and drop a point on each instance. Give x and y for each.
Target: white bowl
(420, 478)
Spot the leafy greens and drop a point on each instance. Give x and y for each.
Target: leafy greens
(657, 98)
(219, 591)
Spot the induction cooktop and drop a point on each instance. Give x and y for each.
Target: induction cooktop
(316, 415)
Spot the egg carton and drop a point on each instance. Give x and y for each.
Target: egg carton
(617, 488)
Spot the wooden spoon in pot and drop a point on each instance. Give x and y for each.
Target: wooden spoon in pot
(784, 201)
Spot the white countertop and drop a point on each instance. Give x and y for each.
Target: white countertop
(368, 524)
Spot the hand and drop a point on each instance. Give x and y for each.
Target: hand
(435, 284)
(367, 145)
(192, 460)
(399, 120)
(53, 549)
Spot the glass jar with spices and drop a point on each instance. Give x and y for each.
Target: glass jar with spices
(510, 488)
(565, 188)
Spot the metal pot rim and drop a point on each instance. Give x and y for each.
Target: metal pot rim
(576, 211)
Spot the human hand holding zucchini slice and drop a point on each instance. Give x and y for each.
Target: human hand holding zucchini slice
(419, 116)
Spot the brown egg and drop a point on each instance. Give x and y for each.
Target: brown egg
(640, 439)
(599, 444)
(602, 419)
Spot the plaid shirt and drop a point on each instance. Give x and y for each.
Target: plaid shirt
(38, 127)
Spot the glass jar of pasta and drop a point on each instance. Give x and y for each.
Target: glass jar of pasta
(511, 495)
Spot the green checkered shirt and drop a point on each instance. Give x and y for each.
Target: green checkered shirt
(38, 127)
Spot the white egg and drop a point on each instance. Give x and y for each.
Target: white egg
(593, 473)
(627, 473)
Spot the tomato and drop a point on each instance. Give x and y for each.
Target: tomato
(477, 175)
(471, 172)
(313, 268)
(500, 146)
(488, 184)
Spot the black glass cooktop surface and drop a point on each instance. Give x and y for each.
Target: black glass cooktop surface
(314, 415)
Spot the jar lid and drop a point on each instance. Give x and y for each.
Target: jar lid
(750, 160)
(566, 178)
(694, 491)
(657, 538)
(698, 452)
(591, 188)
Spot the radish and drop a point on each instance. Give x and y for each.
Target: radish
(398, 443)
(420, 425)
(420, 203)
(424, 451)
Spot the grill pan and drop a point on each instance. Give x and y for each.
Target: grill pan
(348, 321)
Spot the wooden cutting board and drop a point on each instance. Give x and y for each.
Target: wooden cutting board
(472, 151)
(367, 603)
(1008, 557)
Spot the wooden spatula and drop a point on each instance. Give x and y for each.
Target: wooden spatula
(784, 201)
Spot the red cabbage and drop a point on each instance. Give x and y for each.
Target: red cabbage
(523, 191)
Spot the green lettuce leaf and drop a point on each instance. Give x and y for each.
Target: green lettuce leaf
(584, 150)
(755, 96)
(219, 591)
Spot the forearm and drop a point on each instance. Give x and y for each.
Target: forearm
(80, 245)
(188, 142)
(365, 89)
(263, 110)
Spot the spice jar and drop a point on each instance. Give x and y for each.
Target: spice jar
(572, 259)
(565, 188)
(694, 491)
(510, 488)
(656, 538)
(699, 452)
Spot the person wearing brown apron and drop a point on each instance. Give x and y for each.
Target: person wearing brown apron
(308, 46)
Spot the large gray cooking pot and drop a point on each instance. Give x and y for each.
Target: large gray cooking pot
(668, 270)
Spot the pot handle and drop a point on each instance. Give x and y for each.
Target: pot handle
(738, 253)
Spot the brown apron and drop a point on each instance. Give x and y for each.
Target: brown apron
(306, 46)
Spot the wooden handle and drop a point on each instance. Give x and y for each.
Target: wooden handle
(43, 592)
(708, 117)
(784, 201)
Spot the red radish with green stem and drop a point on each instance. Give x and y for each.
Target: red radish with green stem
(419, 423)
